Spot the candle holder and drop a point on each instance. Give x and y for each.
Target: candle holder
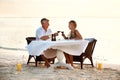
(99, 62)
(99, 66)
(19, 66)
(20, 63)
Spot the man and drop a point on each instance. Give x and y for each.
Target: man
(43, 33)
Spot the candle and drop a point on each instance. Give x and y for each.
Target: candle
(99, 66)
(19, 67)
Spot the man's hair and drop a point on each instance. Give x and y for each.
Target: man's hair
(44, 19)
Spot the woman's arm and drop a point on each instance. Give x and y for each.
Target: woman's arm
(64, 36)
(78, 35)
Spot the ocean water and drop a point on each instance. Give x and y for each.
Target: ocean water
(14, 30)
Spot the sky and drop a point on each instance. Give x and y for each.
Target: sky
(60, 8)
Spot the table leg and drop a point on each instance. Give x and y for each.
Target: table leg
(60, 56)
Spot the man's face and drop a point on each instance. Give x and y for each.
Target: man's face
(45, 24)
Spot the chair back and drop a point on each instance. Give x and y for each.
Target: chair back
(91, 45)
(29, 39)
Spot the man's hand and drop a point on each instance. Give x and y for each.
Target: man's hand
(56, 34)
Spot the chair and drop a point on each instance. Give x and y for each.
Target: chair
(29, 39)
(36, 58)
(88, 52)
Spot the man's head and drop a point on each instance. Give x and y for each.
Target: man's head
(45, 23)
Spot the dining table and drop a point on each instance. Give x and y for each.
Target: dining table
(72, 47)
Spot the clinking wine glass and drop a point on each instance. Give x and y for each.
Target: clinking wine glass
(59, 37)
(58, 31)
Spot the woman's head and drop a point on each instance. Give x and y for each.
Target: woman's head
(72, 25)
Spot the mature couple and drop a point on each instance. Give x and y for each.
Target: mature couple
(43, 33)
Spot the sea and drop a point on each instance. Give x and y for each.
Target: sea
(14, 30)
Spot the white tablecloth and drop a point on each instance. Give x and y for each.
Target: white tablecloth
(73, 47)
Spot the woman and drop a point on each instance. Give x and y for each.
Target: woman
(74, 34)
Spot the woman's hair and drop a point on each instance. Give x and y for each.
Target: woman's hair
(74, 22)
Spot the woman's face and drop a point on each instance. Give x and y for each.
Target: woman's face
(71, 26)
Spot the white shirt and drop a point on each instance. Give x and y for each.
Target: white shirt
(49, 53)
(41, 32)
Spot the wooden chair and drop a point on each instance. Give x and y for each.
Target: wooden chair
(36, 58)
(88, 52)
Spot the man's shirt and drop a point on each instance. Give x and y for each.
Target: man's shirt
(41, 32)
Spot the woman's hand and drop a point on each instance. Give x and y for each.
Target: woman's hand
(63, 34)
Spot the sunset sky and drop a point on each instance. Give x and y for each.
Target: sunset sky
(60, 8)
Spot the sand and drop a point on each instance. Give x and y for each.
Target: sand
(9, 59)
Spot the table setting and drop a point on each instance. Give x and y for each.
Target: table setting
(72, 47)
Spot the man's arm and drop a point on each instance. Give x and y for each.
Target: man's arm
(44, 37)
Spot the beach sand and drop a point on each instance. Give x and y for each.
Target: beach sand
(9, 59)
